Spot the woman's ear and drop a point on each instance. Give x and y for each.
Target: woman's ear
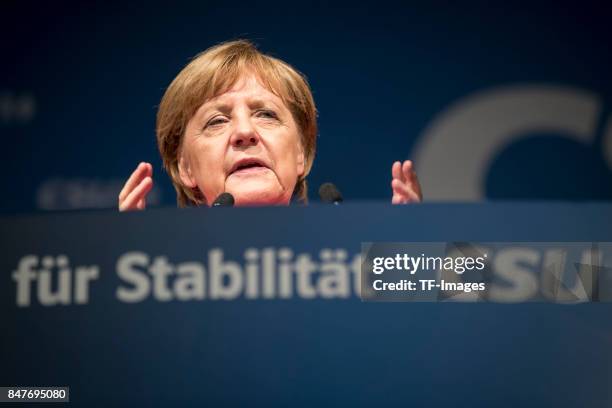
(185, 172)
(300, 161)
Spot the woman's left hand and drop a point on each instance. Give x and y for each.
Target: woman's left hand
(405, 185)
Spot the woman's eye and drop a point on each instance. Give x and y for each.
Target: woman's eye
(215, 121)
(267, 114)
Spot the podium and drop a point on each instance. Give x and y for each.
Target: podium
(204, 307)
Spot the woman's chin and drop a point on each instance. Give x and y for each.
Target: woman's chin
(259, 196)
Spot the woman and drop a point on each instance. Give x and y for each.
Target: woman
(238, 121)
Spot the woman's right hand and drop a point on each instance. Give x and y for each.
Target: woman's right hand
(134, 192)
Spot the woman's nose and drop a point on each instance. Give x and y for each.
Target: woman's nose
(244, 135)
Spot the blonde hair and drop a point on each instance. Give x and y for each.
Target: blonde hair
(214, 72)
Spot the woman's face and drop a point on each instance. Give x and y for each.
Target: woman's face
(244, 142)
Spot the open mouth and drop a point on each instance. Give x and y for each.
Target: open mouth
(248, 166)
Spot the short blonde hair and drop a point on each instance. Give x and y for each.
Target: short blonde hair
(214, 72)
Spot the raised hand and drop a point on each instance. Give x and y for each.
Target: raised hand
(134, 192)
(405, 185)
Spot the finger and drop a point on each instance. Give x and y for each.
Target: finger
(411, 177)
(416, 186)
(142, 170)
(408, 194)
(396, 170)
(135, 178)
(139, 193)
(142, 204)
(406, 191)
(398, 197)
(407, 169)
(148, 170)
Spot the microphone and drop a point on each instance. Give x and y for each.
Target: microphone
(224, 200)
(330, 194)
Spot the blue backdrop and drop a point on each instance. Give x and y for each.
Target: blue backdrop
(490, 100)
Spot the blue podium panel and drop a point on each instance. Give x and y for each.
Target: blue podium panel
(260, 307)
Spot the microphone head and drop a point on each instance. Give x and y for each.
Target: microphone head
(329, 193)
(224, 200)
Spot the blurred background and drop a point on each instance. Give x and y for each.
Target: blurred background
(491, 101)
